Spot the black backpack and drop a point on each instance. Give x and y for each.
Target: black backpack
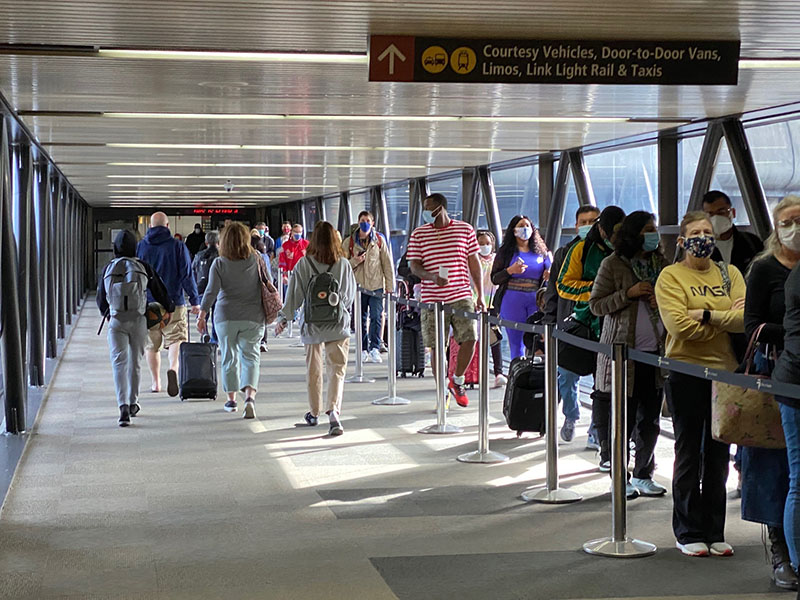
(321, 305)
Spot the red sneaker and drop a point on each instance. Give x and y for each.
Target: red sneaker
(459, 392)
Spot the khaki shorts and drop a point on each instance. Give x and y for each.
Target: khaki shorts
(464, 330)
(173, 333)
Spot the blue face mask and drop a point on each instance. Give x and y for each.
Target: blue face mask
(524, 233)
(427, 216)
(364, 226)
(651, 241)
(297, 236)
(701, 246)
(583, 231)
(608, 244)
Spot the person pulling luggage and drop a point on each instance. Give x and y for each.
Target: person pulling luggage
(122, 298)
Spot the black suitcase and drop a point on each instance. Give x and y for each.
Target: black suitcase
(523, 404)
(198, 371)
(410, 353)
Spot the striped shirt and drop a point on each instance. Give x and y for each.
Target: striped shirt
(445, 247)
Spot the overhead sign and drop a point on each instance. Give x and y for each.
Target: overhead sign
(408, 58)
(215, 211)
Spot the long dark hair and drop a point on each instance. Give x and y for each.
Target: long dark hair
(324, 246)
(629, 239)
(509, 245)
(609, 218)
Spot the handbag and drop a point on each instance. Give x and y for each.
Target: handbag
(270, 299)
(572, 358)
(743, 416)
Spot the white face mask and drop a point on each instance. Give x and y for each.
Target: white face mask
(790, 237)
(720, 224)
(485, 250)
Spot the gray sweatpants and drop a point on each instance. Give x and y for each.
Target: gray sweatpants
(126, 340)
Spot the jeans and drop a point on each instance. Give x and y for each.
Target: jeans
(790, 417)
(701, 463)
(241, 358)
(568, 391)
(371, 307)
(126, 341)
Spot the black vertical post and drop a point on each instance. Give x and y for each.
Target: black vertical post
(68, 257)
(61, 200)
(49, 249)
(546, 173)
(21, 196)
(35, 312)
(14, 386)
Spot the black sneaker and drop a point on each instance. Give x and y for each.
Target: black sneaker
(124, 416)
(230, 406)
(135, 408)
(172, 383)
(336, 425)
(311, 419)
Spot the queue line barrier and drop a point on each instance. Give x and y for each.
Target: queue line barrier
(619, 544)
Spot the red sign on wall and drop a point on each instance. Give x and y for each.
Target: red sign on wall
(391, 58)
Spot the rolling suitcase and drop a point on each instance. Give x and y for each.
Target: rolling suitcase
(524, 401)
(410, 348)
(471, 374)
(198, 371)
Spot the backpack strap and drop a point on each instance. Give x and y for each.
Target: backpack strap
(726, 278)
(313, 268)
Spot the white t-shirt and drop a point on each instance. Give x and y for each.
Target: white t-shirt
(725, 248)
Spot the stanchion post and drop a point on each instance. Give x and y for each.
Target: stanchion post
(619, 545)
(551, 494)
(483, 454)
(358, 376)
(440, 375)
(391, 316)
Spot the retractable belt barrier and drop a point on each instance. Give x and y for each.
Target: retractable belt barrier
(619, 544)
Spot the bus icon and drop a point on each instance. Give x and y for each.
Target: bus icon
(435, 60)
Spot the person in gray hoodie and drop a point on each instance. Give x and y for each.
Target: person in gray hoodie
(324, 320)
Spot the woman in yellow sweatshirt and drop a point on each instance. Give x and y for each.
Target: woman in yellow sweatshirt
(700, 302)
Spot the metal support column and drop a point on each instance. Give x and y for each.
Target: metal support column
(551, 493)
(381, 214)
(69, 234)
(668, 175)
(38, 192)
(546, 173)
(580, 175)
(21, 161)
(440, 375)
(705, 165)
(321, 209)
(619, 545)
(483, 454)
(61, 300)
(470, 195)
(48, 237)
(345, 218)
(744, 166)
(391, 316)
(553, 233)
(490, 202)
(14, 378)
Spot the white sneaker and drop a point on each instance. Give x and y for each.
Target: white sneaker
(375, 356)
(364, 356)
(500, 381)
(693, 549)
(648, 487)
(721, 549)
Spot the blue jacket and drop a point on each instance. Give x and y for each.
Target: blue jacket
(173, 263)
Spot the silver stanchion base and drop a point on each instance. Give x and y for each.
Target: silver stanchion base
(359, 379)
(391, 401)
(441, 429)
(556, 496)
(487, 457)
(619, 549)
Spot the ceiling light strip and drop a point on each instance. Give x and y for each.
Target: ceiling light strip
(325, 148)
(216, 55)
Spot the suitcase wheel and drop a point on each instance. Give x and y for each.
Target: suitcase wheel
(519, 434)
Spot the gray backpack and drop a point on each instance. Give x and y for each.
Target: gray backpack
(125, 283)
(322, 306)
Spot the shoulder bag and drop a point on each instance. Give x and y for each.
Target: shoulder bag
(270, 299)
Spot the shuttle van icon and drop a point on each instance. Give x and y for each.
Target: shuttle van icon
(463, 60)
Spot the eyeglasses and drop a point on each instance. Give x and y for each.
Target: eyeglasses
(789, 222)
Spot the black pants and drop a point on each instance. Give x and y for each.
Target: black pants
(643, 413)
(701, 463)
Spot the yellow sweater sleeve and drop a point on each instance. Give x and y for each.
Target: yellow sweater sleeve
(673, 307)
(570, 285)
(731, 321)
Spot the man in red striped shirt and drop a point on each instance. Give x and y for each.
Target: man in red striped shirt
(444, 254)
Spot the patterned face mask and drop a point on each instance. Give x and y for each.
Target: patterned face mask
(701, 246)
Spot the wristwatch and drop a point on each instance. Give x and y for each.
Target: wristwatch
(706, 317)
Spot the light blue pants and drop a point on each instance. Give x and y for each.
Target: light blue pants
(241, 359)
(126, 340)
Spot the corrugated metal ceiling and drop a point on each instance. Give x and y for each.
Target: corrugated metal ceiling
(69, 83)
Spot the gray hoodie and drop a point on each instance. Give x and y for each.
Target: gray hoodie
(295, 296)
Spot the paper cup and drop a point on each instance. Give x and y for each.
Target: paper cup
(444, 272)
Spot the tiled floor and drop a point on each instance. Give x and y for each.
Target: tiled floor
(193, 502)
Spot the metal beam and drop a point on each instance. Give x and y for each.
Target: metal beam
(490, 202)
(755, 201)
(36, 315)
(559, 203)
(344, 214)
(545, 172)
(21, 197)
(48, 238)
(321, 216)
(706, 163)
(470, 195)
(580, 175)
(61, 289)
(381, 211)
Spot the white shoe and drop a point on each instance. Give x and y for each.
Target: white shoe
(364, 356)
(648, 487)
(500, 381)
(693, 549)
(721, 549)
(375, 356)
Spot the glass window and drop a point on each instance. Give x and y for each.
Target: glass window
(397, 206)
(332, 209)
(773, 151)
(310, 214)
(358, 201)
(627, 178)
(724, 178)
(517, 191)
(451, 188)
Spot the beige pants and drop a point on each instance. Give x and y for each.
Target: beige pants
(336, 360)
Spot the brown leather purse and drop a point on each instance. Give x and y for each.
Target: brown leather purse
(270, 299)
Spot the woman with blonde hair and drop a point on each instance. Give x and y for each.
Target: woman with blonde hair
(700, 303)
(323, 284)
(235, 285)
